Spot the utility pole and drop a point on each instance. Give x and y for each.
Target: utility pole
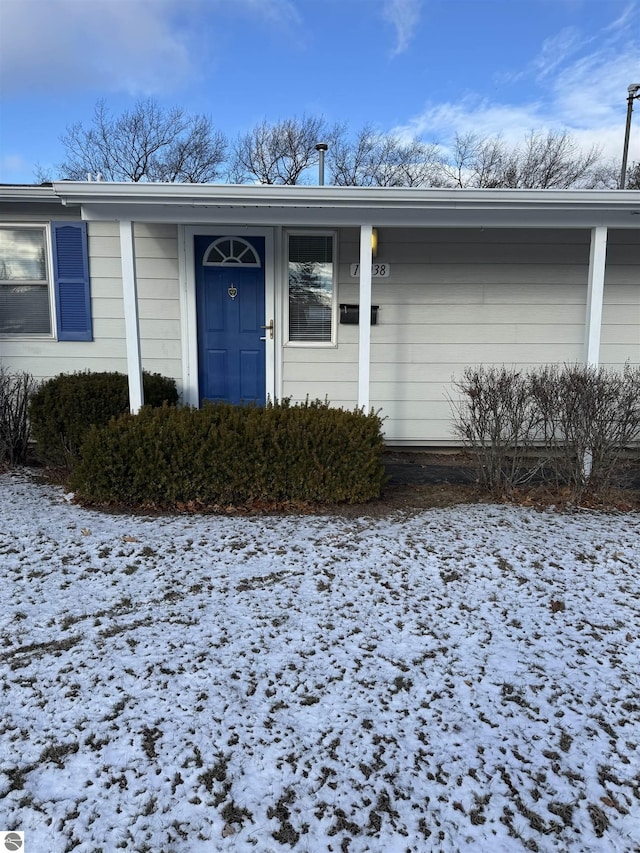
(634, 92)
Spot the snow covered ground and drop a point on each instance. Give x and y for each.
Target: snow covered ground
(461, 679)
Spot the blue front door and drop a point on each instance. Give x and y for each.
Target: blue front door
(230, 305)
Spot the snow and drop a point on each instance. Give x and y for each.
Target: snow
(454, 679)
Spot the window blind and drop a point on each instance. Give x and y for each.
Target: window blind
(310, 287)
(24, 291)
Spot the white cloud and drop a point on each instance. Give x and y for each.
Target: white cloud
(280, 12)
(441, 122)
(135, 46)
(555, 51)
(577, 82)
(629, 16)
(138, 47)
(404, 15)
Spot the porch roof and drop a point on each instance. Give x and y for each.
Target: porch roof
(351, 206)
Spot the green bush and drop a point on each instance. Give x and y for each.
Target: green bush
(64, 409)
(233, 455)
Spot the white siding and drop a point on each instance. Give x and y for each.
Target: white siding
(158, 293)
(455, 298)
(466, 297)
(620, 340)
(159, 299)
(46, 357)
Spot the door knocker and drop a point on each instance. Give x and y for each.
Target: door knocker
(232, 291)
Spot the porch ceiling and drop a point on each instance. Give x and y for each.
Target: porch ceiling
(352, 206)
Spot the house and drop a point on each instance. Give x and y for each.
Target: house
(249, 292)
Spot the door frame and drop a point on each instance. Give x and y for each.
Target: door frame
(188, 309)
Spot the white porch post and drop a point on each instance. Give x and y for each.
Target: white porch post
(131, 319)
(595, 295)
(364, 337)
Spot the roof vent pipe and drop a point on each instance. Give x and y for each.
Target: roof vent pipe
(321, 147)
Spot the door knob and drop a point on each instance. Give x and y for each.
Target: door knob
(270, 327)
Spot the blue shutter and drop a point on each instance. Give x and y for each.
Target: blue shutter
(71, 281)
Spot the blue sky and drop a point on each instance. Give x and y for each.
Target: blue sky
(430, 67)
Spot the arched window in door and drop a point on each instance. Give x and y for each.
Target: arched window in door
(231, 251)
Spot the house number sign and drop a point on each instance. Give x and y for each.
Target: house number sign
(377, 270)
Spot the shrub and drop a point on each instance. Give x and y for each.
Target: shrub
(497, 420)
(570, 424)
(15, 393)
(591, 417)
(65, 407)
(232, 455)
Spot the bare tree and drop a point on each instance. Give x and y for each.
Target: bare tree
(554, 160)
(196, 158)
(374, 159)
(148, 143)
(633, 177)
(551, 160)
(277, 153)
(475, 162)
(151, 143)
(605, 175)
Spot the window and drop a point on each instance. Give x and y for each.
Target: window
(231, 250)
(24, 282)
(27, 285)
(311, 287)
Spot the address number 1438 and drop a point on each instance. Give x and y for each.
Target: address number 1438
(377, 270)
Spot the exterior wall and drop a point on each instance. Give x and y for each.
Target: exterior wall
(158, 296)
(158, 292)
(323, 370)
(37, 355)
(455, 298)
(459, 298)
(620, 341)
(330, 372)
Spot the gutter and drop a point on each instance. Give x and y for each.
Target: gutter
(28, 193)
(224, 195)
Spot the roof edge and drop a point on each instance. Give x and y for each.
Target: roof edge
(81, 192)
